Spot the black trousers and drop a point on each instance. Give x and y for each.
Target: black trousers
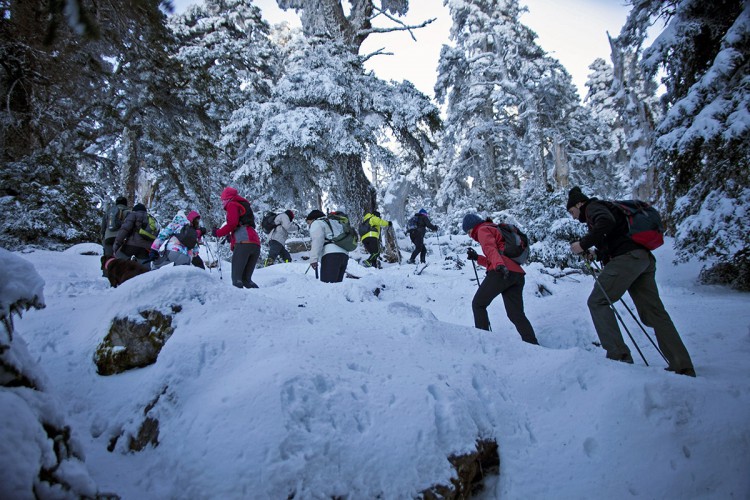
(372, 245)
(511, 287)
(244, 259)
(276, 249)
(333, 267)
(417, 237)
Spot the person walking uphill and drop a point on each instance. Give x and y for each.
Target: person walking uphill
(417, 228)
(278, 236)
(113, 218)
(244, 240)
(627, 267)
(130, 240)
(331, 257)
(371, 237)
(504, 276)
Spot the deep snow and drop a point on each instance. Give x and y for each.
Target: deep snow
(327, 389)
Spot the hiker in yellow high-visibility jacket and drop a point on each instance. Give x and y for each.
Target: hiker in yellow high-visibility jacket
(370, 235)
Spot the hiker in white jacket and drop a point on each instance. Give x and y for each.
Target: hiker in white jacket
(277, 238)
(331, 257)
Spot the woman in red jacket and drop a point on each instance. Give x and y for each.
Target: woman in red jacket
(504, 276)
(244, 240)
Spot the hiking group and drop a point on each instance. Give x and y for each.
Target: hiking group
(613, 228)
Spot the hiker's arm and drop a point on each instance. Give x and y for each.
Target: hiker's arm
(601, 223)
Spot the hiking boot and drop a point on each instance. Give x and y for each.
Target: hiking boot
(410, 261)
(624, 358)
(690, 372)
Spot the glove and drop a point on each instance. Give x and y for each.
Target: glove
(152, 255)
(471, 254)
(390, 223)
(213, 232)
(115, 250)
(203, 230)
(314, 265)
(437, 228)
(503, 270)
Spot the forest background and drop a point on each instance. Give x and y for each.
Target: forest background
(119, 98)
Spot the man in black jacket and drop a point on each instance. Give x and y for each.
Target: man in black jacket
(628, 267)
(417, 236)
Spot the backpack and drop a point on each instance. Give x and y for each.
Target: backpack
(516, 243)
(150, 228)
(412, 224)
(188, 236)
(347, 238)
(267, 222)
(364, 228)
(247, 218)
(115, 216)
(644, 222)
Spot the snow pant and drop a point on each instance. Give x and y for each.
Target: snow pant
(634, 272)
(372, 246)
(244, 259)
(333, 267)
(172, 257)
(510, 285)
(417, 237)
(127, 251)
(107, 249)
(276, 249)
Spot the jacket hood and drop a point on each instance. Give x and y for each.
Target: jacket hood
(193, 215)
(228, 193)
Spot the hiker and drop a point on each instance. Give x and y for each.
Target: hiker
(331, 257)
(282, 224)
(504, 276)
(370, 236)
(111, 223)
(627, 267)
(131, 240)
(417, 228)
(243, 239)
(182, 237)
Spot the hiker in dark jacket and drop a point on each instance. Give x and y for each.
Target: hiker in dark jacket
(110, 233)
(417, 236)
(371, 238)
(243, 239)
(130, 242)
(504, 276)
(277, 238)
(628, 267)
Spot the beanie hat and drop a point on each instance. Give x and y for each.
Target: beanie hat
(121, 200)
(470, 222)
(422, 211)
(193, 215)
(575, 196)
(315, 214)
(228, 193)
(139, 207)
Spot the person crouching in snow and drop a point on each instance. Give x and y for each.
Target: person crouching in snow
(243, 239)
(504, 276)
(181, 238)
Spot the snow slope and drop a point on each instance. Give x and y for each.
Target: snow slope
(322, 390)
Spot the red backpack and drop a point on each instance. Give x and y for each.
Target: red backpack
(644, 223)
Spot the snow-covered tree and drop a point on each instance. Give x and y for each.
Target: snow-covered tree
(702, 144)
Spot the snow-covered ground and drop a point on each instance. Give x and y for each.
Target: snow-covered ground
(323, 390)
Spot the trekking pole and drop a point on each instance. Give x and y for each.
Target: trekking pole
(639, 324)
(614, 310)
(218, 257)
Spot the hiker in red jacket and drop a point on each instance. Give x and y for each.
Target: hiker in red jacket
(504, 276)
(243, 238)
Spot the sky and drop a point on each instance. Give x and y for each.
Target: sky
(573, 31)
(330, 390)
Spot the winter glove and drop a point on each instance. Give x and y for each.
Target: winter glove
(213, 232)
(502, 270)
(115, 250)
(202, 230)
(152, 255)
(471, 254)
(390, 223)
(314, 265)
(437, 228)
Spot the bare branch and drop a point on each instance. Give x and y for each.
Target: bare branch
(379, 52)
(401, 27)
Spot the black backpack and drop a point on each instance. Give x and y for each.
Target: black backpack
(412, 224)
(188, 236)
(115, 216)
(267, 222)
(516, 243)
(644, 222)
(248, 217)
(364, 228)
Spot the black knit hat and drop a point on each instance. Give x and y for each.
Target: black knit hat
(315, 214)
(575, 196)
(139, 207)
(121, 200)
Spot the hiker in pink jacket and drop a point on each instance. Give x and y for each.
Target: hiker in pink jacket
(243, 239)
